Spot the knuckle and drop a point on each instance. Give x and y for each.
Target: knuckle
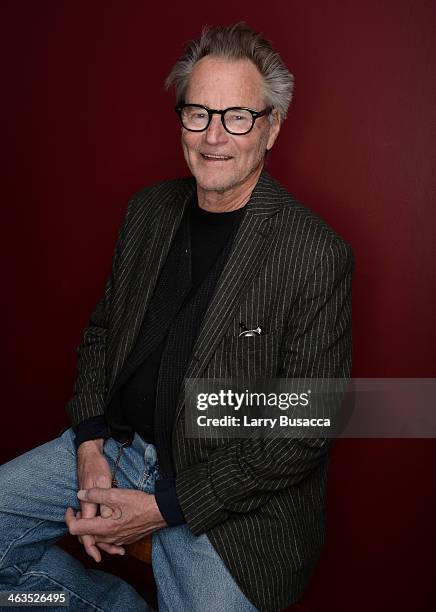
(112, 496)
(102, 481)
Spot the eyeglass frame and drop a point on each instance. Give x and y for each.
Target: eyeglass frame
(212, 111)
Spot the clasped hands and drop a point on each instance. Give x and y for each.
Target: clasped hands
(126, 516)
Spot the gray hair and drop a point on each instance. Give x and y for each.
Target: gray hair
(233, 42)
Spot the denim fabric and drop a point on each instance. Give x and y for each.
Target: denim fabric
(36, 489)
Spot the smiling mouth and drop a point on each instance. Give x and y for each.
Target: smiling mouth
(211, 157)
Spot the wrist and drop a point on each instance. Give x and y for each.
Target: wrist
(92, 445)
(156, 514)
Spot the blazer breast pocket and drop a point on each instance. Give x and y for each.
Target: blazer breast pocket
(257, 355)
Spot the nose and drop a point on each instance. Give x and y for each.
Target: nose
(215, 133)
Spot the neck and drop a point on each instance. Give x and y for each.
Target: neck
(231, 199)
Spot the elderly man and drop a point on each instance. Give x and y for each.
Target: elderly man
(223, 274)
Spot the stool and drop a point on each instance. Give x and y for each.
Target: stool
(141, 549)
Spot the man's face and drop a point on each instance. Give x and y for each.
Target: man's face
(219, 84)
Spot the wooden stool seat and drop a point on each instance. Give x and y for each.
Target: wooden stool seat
(141, 549)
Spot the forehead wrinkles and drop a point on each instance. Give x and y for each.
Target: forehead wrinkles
(219, 84)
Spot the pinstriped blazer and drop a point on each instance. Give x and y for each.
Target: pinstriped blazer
(260, 502)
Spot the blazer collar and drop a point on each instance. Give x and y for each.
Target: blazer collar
(265, 200)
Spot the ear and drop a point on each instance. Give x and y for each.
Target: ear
(274, 128)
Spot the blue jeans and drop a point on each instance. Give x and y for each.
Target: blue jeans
(35, 490)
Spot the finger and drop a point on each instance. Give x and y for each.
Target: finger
(79, 515)
(69, 516)
(94, 526)
(87, 540)
(105, 512)
(97, 495)
(112, 549)
(89, 509)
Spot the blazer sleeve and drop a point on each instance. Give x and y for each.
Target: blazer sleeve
(90, 384)
(243, 475)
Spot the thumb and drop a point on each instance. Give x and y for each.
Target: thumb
(105, 511)
(95, 495)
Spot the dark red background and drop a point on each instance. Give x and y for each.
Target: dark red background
(87, 122)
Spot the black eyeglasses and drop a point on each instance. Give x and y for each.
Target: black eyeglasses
(236, 120)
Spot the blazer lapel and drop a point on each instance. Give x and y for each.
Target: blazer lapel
(150, 261)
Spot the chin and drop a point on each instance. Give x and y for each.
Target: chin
(215, 183)
(219, 187)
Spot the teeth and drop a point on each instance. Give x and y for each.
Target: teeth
(216, 156)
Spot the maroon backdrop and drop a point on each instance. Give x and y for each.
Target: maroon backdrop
(87, 122)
